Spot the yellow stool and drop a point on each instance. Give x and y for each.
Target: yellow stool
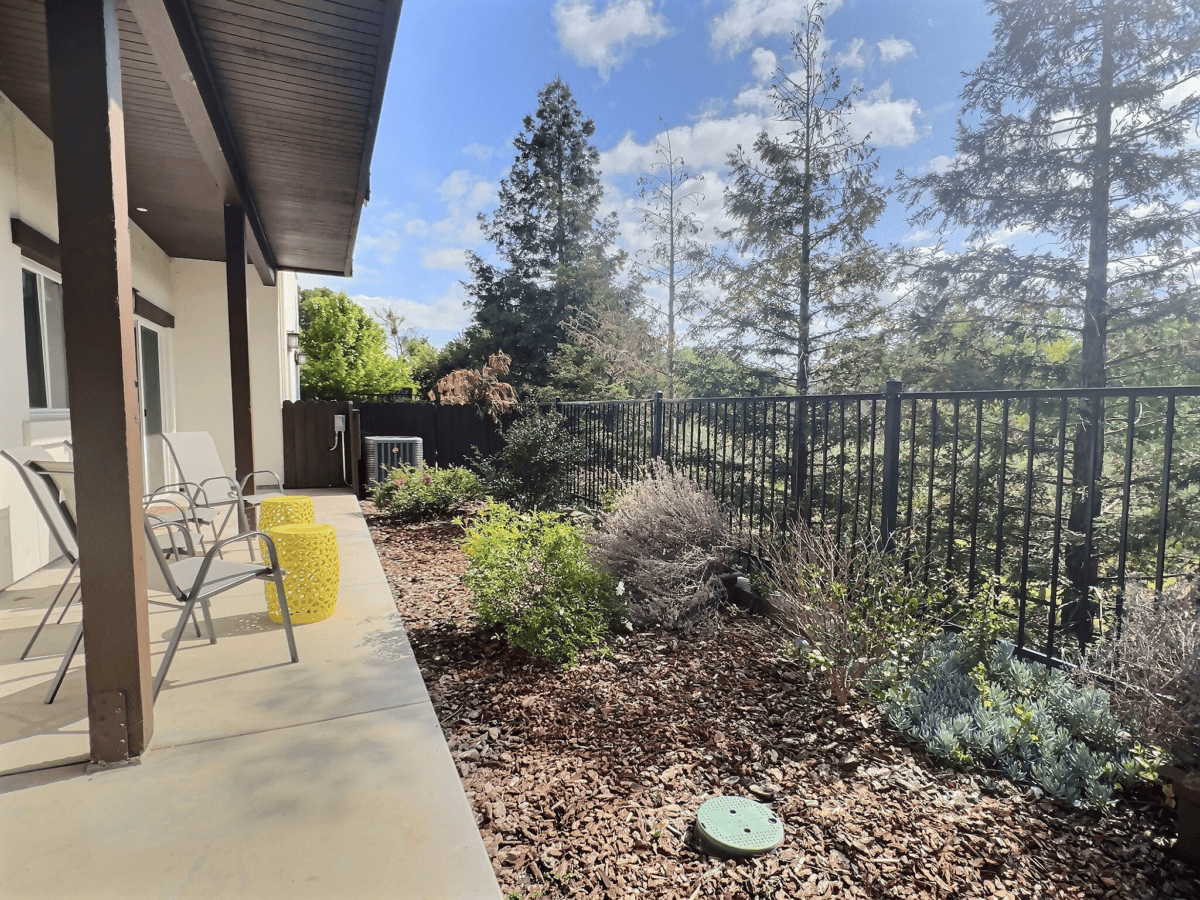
(309, 555)
(293, 509)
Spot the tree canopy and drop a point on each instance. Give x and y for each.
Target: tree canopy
(1074, 132)
(555, 256)
(346, 350)
(802, 271)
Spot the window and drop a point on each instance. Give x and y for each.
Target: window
(45, 347)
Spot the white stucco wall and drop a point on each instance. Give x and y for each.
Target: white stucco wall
(201, 357)
(195, 354)
(27, 192)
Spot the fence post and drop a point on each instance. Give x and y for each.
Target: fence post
(799, 460)
(656, 427)
(889, 500)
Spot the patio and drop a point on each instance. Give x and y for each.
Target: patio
(326, 778)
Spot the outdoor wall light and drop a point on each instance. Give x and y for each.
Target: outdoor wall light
(293, 340)
(301, 358)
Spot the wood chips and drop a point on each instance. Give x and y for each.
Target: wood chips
(585, 783)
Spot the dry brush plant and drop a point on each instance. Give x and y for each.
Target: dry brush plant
(1152, 669)
(848, 606)
(665, 540)
(483, 387)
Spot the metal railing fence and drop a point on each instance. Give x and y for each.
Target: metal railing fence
(1048, 502)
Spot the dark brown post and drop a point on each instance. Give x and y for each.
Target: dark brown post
(239, 343)
(93, 217)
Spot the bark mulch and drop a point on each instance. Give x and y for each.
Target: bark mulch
(585, 783)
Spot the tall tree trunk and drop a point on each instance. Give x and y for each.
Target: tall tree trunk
(671, 292)
(1088, 462)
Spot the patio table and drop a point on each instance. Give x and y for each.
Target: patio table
(308, 554)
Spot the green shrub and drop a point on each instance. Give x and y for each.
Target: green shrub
(1032, 723)
(536, 467)
(424, 493)
(529, 574)
(852, 609)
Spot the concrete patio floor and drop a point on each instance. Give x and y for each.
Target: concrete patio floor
(329, 778)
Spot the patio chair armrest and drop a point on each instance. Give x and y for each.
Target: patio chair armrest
(189, 489)
(215, 550)
(153, 500)
(235, 490)
(157, 522)
(274, 475)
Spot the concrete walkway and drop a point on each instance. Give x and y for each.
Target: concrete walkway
(325, 779)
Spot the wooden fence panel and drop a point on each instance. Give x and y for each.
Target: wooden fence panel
(308, 436)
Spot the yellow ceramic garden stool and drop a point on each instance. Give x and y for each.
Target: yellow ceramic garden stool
(292, 509)
(308, 554)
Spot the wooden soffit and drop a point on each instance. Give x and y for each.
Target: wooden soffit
(270, 104)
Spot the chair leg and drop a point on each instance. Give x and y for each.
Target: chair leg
(65, 664)
(50, 609)
(286, 615)
(171, 648)
(208, 622)
(66, 609)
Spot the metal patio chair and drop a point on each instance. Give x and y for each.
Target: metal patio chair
(53, 484)
(207, 576)
(57, 519)
(203, 476)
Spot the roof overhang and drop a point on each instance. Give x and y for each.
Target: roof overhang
(268, 105)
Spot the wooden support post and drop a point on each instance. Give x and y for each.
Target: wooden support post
(239, 343)
(93, 216)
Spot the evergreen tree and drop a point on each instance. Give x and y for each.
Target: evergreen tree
(674, 260)
(802, 272)
(346, 350)
(1075, 130)
(555, 253)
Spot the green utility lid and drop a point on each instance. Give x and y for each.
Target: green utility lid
(736, 826)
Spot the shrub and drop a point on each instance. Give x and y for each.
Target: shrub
(529, 574)
(536, 467)
(849, 606)
(421, 494)
(1033, 723)
(1153, 667)
(664, 537)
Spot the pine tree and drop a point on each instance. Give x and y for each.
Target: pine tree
(546, 234)
(1075, 130)
(802, 271)
(674, 260)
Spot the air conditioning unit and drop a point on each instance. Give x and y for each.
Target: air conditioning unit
(386, 453)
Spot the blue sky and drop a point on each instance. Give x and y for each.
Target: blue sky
(465, 73)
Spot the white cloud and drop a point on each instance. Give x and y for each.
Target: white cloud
(606, 39)
(481, 152)
(735, 29)
(941, 163)
(852, 57)
(763, 64)
(889, 122)
(444, 258)
(893, 49)
(447, 313)
(385, 245)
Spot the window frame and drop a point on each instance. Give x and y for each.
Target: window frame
(42, 274)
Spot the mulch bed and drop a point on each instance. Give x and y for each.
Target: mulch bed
(585, 783)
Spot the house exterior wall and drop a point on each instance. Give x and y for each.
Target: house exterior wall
(201, 354)
(194, 354)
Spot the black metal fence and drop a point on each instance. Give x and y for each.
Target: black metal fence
(1005, 494)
